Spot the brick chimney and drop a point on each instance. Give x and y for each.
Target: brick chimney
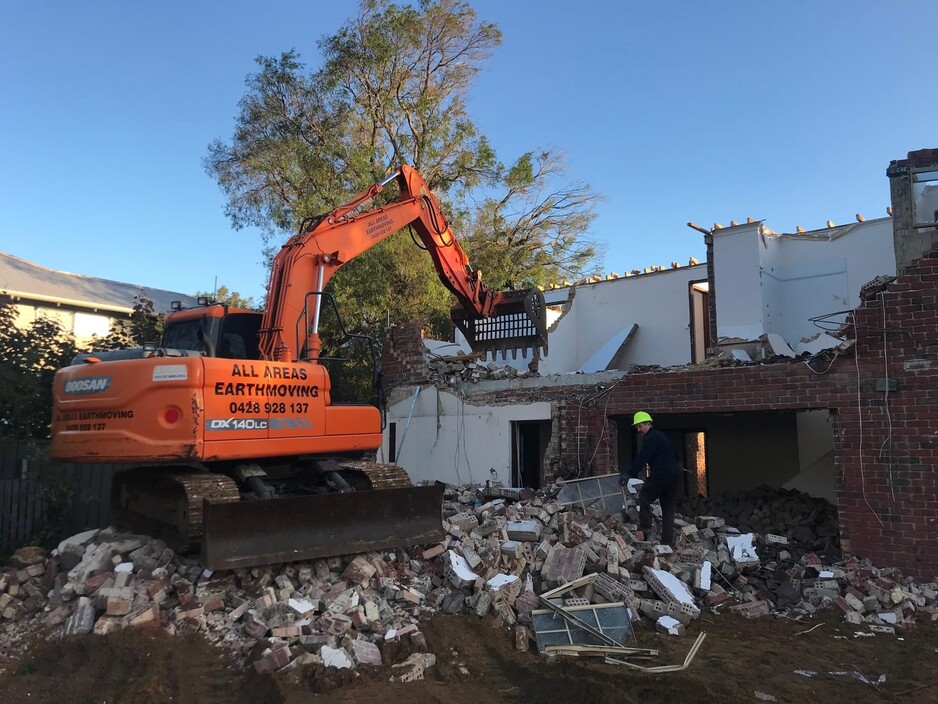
(913, 186)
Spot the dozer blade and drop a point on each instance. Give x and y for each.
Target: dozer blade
(249, 533)
(519, 322)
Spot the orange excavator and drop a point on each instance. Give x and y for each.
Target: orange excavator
(231, 437)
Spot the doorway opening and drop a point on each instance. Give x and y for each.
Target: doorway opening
(529, 442)
(699, 320)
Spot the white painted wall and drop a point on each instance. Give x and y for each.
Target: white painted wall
(444, 439)
(658, 302)
(737, 274)
(817, 276)
(82, 325)
(770, 283)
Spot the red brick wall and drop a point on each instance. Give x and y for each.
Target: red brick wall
(402, 358)
(886, 453)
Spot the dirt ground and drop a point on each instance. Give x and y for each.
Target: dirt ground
(738, 658)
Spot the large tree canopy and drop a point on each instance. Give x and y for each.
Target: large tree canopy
(392, 89)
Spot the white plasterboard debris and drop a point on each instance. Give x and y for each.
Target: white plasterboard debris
(461, 567)
(741, 547)
(670, 624)
(601, 358)
(301, 606)
(444, 349)
(501, 580)
(779, 346)
(391, 634)
(335, 657)
(124, 567)
(825, 574)
(818, 343)
(634, 485)
(675, 586)
(888, 617)
(741, 355)
(856, 674)
(705, 575)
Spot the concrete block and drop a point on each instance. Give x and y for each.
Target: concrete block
(511, 549)
(524, 530)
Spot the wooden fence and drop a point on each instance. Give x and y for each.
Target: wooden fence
(36, 494)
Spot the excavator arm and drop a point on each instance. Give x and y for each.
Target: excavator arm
(490, 320)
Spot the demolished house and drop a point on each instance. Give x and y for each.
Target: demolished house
(567, 568)
(792, 361)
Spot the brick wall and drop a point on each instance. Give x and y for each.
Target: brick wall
(402, 359)
(886, 450)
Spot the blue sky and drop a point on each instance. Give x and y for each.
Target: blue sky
(674, 111)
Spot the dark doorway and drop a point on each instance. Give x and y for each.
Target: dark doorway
(529, 440)
(699, 320)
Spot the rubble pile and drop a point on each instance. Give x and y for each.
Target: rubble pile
(810, 523)
(501, 552)
(451, 370)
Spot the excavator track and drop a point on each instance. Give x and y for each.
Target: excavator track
(167, 503)
(190, 509)
(378, 475)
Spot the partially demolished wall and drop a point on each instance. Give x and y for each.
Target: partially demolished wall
(885, 444)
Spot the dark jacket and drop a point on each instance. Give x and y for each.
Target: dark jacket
(659, 454)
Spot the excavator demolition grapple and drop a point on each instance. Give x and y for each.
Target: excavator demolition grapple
(227, 428)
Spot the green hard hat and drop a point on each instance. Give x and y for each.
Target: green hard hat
(641, 417)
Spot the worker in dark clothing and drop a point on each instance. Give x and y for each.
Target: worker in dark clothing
(664, 474)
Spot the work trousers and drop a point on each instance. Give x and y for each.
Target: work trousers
(663, 488)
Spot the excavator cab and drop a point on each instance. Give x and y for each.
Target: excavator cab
(213, 329)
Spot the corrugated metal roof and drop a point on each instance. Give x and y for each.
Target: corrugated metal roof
(24, 279)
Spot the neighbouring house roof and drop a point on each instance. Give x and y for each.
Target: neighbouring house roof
(25, 280)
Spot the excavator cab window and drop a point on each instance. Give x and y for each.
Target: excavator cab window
(239, 336)
(189, 334)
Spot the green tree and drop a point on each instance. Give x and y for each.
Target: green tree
(393, 89)
(541, 224)
(145, 325)
(233, 299)
(29, 358)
